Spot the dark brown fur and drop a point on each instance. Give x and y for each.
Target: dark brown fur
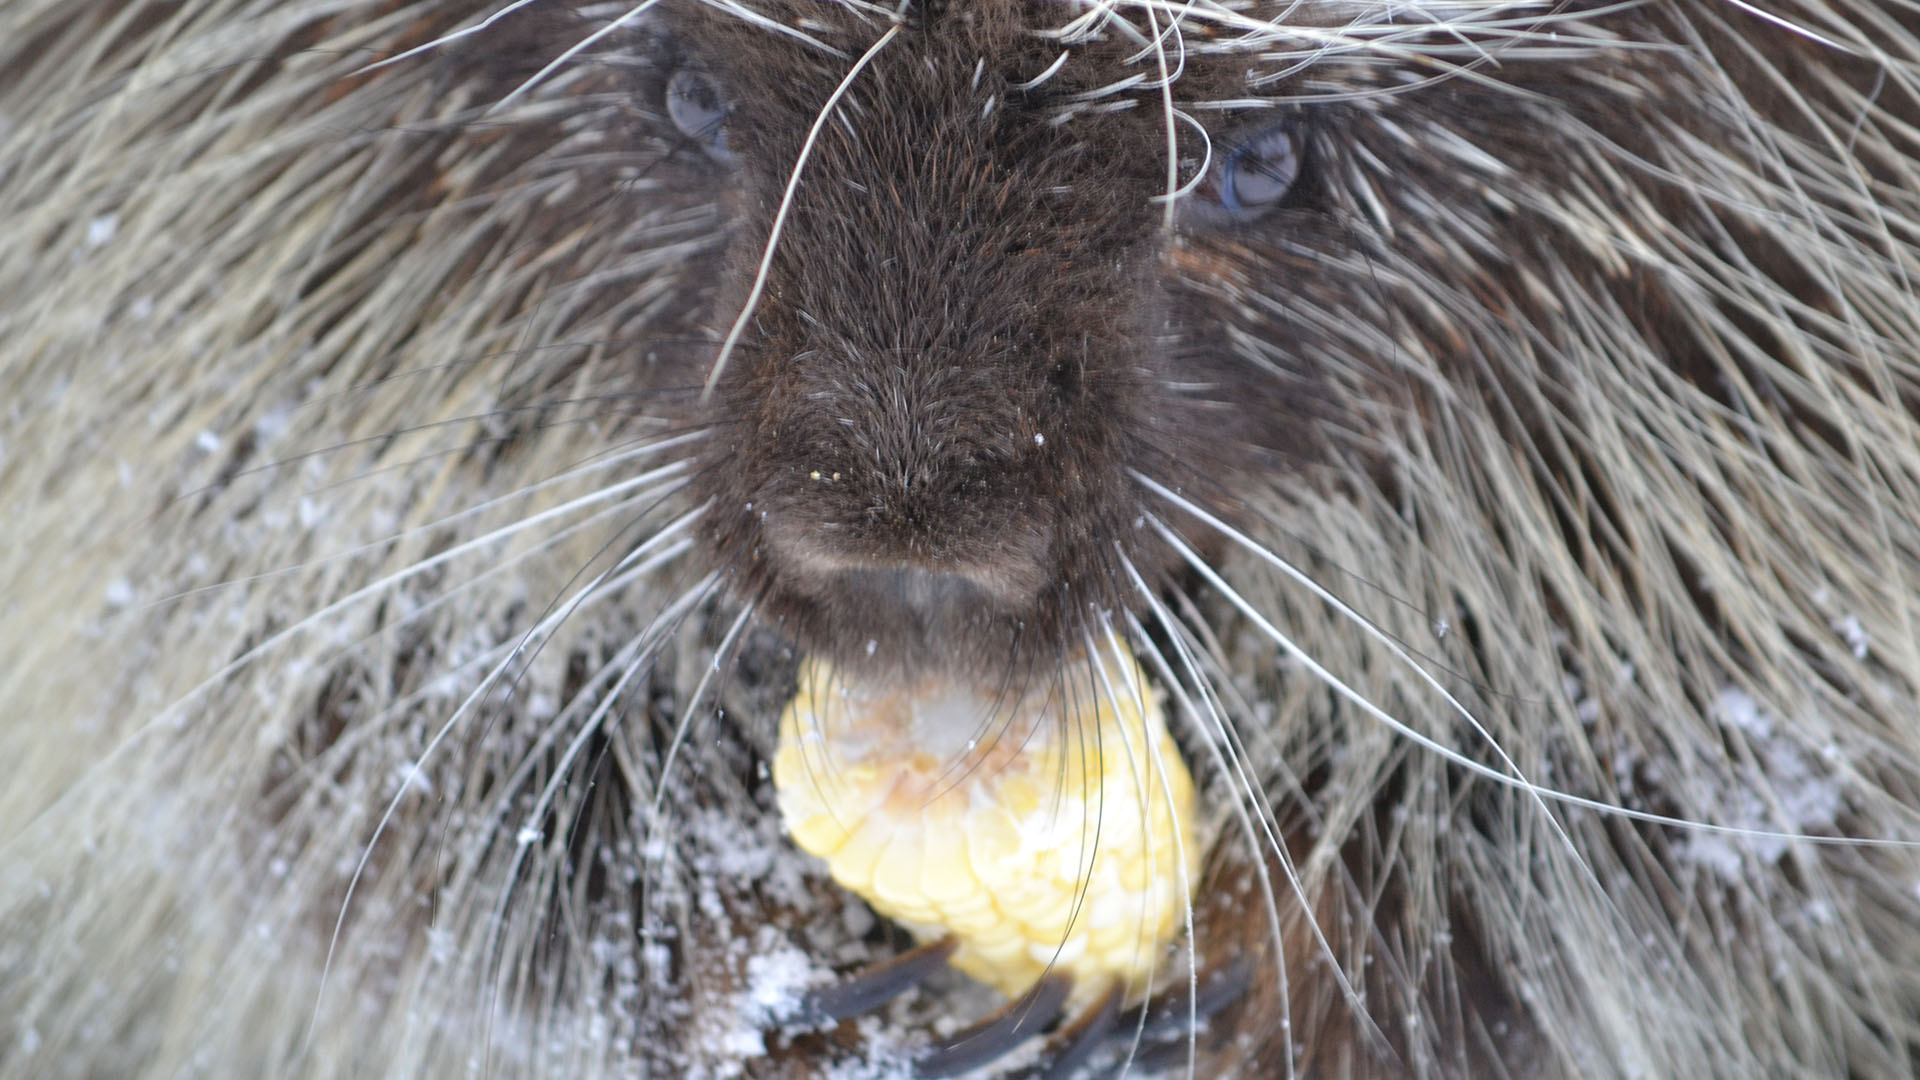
(970, 335)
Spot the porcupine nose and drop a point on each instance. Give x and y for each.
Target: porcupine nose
(1004, 581)
(911, 511)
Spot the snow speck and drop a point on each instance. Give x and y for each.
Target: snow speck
(1786, 792)
(527, 836)
(777, 982)
(1851, 632)
(410, 776)
(119, 593)
(655, 849)
(101, 230)
(1039, 439)
(1736, 708)
(207, 441)
(272, 424)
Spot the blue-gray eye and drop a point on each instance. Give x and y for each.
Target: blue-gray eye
(698, 108)
(1260, 172)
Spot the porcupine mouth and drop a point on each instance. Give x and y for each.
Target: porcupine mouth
(920, 618)
(878, 609)
(921, 597)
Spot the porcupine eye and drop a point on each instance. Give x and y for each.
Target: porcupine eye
(1260, 171)
(1252, 174)
(699, 109)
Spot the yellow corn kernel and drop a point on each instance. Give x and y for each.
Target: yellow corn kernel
(1053, 832)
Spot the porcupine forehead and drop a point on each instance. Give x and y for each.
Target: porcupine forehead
(996, 74)
(1089, 54)
(1074, 56)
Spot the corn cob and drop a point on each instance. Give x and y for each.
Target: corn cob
(1050, 831)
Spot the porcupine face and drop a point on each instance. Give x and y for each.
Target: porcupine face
(971, 329)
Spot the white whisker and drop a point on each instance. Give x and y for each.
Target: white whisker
(786, 206)
(1334, 683)
(388, 581)
(572, 51)
(633, 659)
(687, 713)
(1144, 795)
(1193, 559)
(598, 495)
(536, 633)
(445, 39)
(1254, 835)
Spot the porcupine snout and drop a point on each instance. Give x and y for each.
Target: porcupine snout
(927, 424)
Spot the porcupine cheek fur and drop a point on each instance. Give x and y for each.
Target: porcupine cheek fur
(925, 433)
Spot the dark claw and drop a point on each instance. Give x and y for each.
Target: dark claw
(875, 986)
(1075, 1044)
(1170, 1017)
(1006, 1028)
(1149, 1041)
(1153, 1033)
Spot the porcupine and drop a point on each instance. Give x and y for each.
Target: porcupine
(392, 655)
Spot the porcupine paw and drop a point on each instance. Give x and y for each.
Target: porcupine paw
(1157, 1031)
